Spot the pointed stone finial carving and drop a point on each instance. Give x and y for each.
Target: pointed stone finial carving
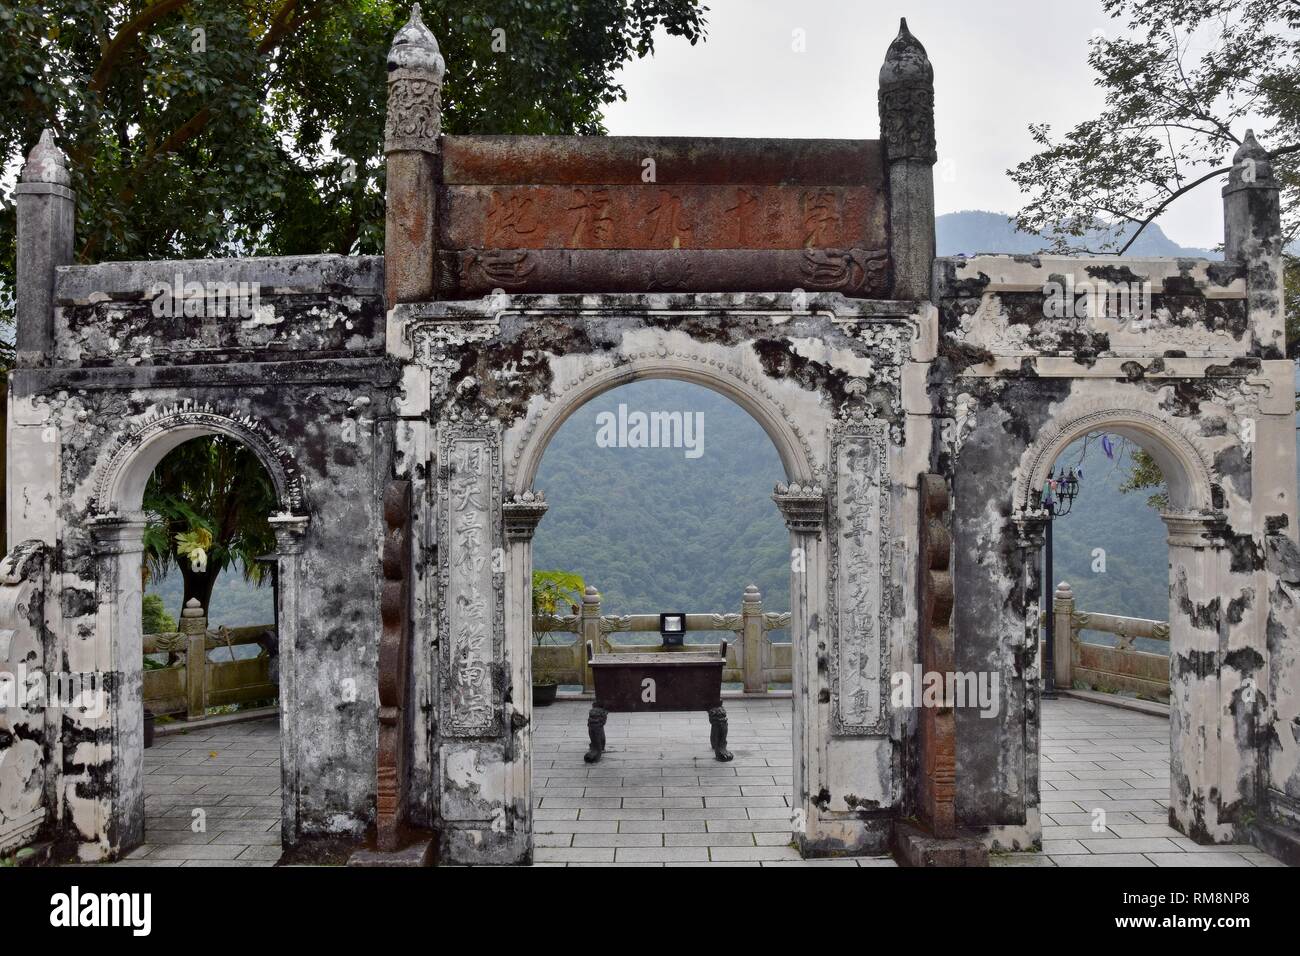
(46, 163)
(415, 72)
(907, 100)
(46, 207)
(1252, 236)
(1251, 167)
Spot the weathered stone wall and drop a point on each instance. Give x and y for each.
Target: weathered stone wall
(823, 374)
(305, 383)
(1019, 380)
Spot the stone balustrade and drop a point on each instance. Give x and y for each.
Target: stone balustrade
(1122, 668)
(187, 690)
(752, 659)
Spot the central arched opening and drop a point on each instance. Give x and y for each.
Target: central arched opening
(659, 495)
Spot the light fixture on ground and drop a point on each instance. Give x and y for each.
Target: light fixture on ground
(672, 629)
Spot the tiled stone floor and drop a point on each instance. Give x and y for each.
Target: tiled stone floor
(232, 775)
(659, 798)
(1099, 758)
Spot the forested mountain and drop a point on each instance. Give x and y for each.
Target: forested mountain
(656, 530)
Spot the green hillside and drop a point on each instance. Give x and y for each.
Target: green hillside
(655, 530)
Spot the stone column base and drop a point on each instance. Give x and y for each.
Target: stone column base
(913, 845)
(419, 853)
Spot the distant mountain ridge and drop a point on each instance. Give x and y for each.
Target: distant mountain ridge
(974, 231)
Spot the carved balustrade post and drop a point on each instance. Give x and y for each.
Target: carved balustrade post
(589, 631)
(194, 625)
(1062, 635)
(751, 645)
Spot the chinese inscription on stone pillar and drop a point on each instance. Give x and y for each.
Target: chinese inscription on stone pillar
(860, 548)
(470, 612)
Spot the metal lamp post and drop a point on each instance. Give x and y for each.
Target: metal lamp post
(1059, 491)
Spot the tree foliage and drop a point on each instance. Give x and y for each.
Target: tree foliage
(1182, 84)
(216, 127)
(207, 504)
(1144, 474)
(154, 618)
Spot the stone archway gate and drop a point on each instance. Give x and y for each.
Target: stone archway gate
(405, 405)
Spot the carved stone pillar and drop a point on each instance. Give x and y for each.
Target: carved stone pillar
(907, 131)
(751, 617)
(394, 652)
(1206, 760)
(590, 633)
(46, 219)
(804, 508)
(1252, 224)
(411, 132)
(935, 839)
(290, 536)
(1062, 632)
(118, 801)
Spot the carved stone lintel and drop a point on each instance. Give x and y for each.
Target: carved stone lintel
(803, 506)
(521, 515)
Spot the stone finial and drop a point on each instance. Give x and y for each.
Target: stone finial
(1251, 167)
(752, 595)
(194, 619)
(46, 163)
(415, 48)
(906, 62)
(906, 100)
(1064, 592)
(415, 71)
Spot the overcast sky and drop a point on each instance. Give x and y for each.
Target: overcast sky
(999, 65)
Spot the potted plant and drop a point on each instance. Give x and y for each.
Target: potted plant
(552, 591)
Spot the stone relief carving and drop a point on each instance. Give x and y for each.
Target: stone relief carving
(859, 573)
(471, 614)
(272, 452)
(907, 123)
(439, 346)
(851, 271)
(414, 115)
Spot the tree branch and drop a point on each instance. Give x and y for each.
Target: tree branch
(132, 29)
(1188, 188)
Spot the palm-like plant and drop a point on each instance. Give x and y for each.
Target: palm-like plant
(207, 504)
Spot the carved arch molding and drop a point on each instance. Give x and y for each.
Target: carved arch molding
(194, 421)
